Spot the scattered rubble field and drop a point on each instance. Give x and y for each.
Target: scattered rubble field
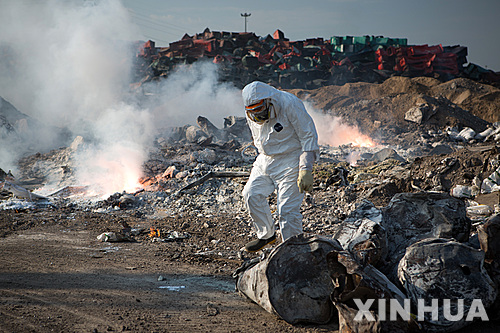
(57, 276)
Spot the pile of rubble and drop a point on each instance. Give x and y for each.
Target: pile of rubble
(382, 268)
(307, 64)
(431, 136)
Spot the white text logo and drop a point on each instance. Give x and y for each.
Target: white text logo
(451, 311)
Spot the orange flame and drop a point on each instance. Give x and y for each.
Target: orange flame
(333, 132)
(113, 170)
(154, 233)
(361, 140)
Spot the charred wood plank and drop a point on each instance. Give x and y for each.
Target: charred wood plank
(213, 174)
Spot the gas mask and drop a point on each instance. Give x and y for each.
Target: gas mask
(259, 112)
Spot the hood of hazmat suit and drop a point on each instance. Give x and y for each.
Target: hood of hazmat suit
(289, 127)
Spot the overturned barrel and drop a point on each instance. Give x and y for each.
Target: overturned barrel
(292, 281)
(447, 283)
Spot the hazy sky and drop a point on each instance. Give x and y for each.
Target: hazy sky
(475, 24)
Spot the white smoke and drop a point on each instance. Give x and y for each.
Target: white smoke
(64, 65)
(68, 65)
(353, 157)
(113, 162)
(333, 131)
(69, 61)
(194, 90)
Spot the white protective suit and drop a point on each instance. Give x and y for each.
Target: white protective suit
(287, 137)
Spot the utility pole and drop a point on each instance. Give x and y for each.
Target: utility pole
(245, 16)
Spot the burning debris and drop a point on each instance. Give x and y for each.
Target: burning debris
(154, 233)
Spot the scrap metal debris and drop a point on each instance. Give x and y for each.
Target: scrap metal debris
(365, 283)
(443, 269)
(213, 174)
(309, 63)
(21, 192)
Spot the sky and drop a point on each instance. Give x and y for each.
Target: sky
(474, 24)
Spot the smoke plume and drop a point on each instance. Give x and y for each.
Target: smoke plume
(67, 64)
(333, 131)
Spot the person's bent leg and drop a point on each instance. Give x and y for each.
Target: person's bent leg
(255, 194)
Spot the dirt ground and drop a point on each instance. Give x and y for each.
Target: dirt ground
(57, 277)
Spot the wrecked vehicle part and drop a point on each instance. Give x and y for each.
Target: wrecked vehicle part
(442, 269)
(356, 283)
(489, 236)
(362, 234)
(238, 127)
(364, 239)
(365, 209)
(69, 191)
(21, 192)
(309, 63)
(292, 281)
(213, 174)
(410, 217)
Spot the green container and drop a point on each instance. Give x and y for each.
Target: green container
(380, 41)
(338, 48)
(336, 40)
(400, 41)
(359, 40)
(358, 47)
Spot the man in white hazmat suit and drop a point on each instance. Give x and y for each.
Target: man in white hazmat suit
(287, 142)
